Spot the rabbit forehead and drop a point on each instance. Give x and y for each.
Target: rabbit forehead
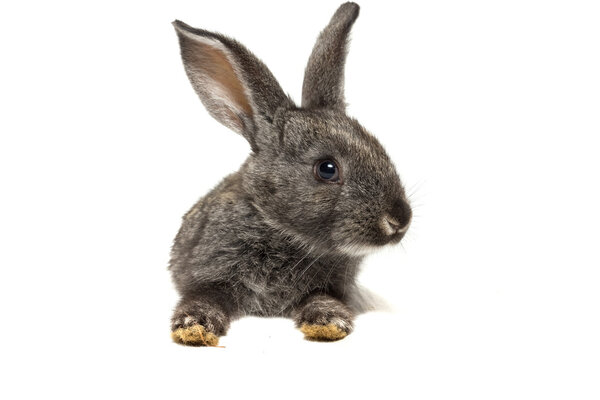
(314, 134)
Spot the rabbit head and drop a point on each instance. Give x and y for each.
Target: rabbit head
(314, 173)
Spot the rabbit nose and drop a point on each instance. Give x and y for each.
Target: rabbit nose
(392, 226)
(398, 220)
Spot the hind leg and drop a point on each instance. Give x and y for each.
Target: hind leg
(199, 320)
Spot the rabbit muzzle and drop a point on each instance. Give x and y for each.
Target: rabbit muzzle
(395, 223)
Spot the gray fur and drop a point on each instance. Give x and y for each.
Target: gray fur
(323, 85)
(271, 239)
(321, 309)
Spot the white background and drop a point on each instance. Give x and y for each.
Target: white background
(490, 111)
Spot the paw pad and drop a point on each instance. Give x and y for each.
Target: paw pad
(323, 333)
(195, 335)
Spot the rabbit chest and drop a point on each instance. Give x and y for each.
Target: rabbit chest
(225, 241)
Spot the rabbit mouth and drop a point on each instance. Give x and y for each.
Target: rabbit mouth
(397, 237)
(393, 232)
(388, 237)
(391, 238)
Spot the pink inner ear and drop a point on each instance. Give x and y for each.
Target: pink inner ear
(214, 63)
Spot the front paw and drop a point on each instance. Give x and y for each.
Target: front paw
(324, 333)
(197, 324)
(324, 319)
(194, 335)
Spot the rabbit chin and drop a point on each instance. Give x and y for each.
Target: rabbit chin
(358, 250)
(364, 249)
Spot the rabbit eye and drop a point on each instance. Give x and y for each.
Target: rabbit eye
(327, 170)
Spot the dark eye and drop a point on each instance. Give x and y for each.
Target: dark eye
(327, 170)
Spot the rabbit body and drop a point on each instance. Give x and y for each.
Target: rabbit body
(224, 242)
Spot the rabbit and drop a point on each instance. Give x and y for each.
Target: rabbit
(284, 235)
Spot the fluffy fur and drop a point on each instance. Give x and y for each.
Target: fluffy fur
(271, 239)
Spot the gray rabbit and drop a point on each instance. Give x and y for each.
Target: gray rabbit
(284, 235)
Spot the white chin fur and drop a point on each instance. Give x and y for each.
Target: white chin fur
(358, 250)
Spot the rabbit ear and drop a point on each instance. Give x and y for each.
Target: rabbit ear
(236, 88)
(324, 76)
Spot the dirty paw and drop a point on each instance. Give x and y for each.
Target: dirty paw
(324, 318)
(323, 333)
(192, 331)
(194, 335)
(198, 322)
